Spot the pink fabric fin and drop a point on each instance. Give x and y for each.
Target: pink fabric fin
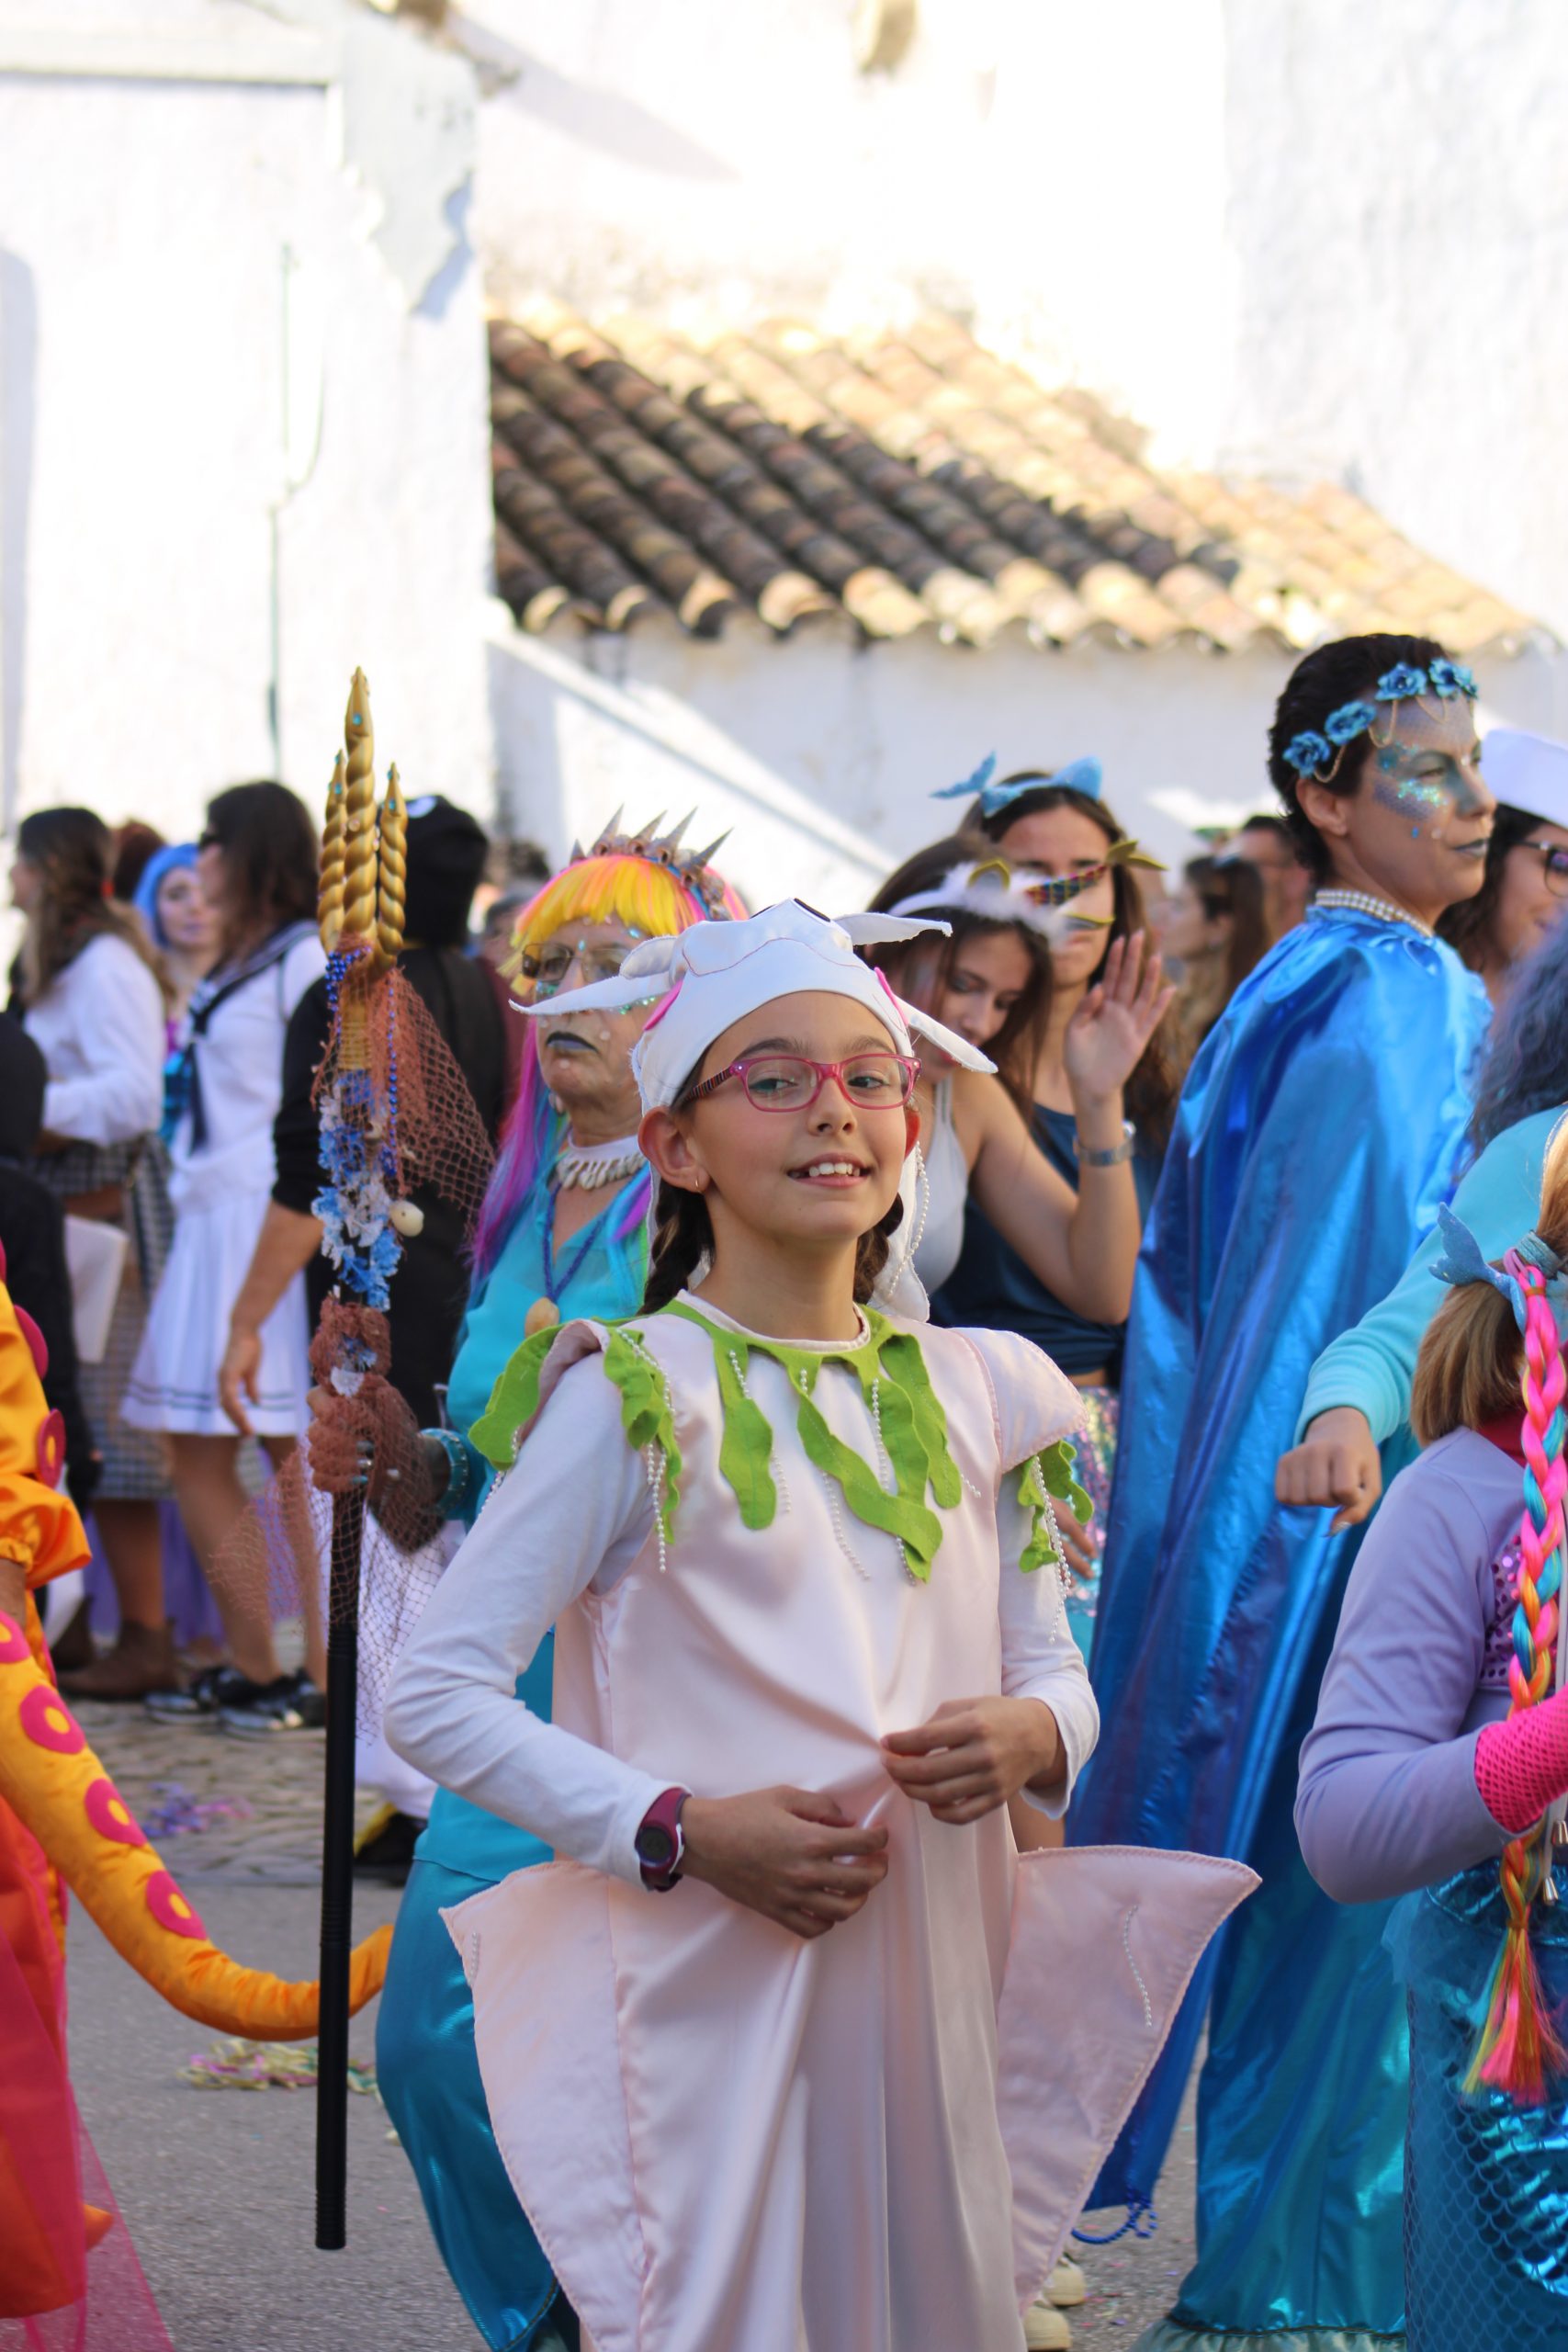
(545, 2017)
(1105, 1939)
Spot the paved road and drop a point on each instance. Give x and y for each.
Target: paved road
(218, 2185)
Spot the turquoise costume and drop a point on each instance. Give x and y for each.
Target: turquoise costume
(1321, 1127)
(424, 2038)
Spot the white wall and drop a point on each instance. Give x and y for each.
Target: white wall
(1399, 221)
(719, 162)
(771, 737)
(1298, 236)
(143, 224)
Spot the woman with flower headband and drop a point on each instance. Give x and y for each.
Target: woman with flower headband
(767, 2051)
(1057, 822)
(563, 1232)
(1321, 1125)
(995, 979)
(1437, 1771)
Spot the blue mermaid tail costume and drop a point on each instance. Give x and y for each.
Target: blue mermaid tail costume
(1320, 1127)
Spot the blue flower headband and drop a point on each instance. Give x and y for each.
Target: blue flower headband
(1316, 755)
(1078, 775)
(1462, 1261)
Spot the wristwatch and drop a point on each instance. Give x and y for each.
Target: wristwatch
(660, 1842)
(1087, 1157)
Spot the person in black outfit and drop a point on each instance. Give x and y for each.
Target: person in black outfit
(32, 1233)
(446, 851)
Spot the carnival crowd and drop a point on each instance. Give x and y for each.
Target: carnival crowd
(1186, 1135)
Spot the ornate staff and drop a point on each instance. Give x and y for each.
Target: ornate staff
(360, 910)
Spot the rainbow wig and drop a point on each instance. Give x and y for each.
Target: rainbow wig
(647, 883)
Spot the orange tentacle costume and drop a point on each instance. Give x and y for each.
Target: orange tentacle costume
(62, 1819)
(59, 1789)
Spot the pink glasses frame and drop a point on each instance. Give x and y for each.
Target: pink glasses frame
(825, 1071)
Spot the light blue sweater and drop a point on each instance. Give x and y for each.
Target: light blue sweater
(1373, 1365)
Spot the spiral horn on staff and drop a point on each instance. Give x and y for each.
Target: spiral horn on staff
(392, 868)
(359, 816)
(329, 889)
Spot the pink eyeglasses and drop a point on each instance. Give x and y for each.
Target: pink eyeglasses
(793, 1081)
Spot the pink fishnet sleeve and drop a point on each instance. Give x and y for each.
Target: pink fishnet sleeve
(1522, 1765)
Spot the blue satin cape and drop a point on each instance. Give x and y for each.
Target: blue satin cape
(425, 2060)
(1321, 1127)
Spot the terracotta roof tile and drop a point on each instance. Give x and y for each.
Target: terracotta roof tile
(908, 481)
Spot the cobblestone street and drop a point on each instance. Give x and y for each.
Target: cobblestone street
(217, 2185)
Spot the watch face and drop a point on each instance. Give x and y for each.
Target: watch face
(655, 1846)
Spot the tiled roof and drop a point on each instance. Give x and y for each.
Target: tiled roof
(910, 481)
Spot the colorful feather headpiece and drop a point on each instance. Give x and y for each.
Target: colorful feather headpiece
(996, 889)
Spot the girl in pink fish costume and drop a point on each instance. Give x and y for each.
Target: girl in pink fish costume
(776, 2051)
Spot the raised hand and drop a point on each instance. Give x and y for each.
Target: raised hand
(794, 1857)
(1107, 1035)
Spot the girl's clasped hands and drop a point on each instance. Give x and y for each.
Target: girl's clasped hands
(798, 1858)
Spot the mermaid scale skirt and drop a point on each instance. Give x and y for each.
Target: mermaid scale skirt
(1486, 2182)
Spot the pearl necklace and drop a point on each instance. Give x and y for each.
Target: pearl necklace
(591, 1166)
(1362, 902)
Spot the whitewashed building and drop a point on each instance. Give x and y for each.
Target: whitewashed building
(875, 384)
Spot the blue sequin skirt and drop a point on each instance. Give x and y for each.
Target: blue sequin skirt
(1486, 2182)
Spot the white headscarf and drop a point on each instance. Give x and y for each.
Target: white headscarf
(1528, 772)
(715, 973)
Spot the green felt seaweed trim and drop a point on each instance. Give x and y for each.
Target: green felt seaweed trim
(1059, 1471)
(746, 1443)
(513, 1401)
(1045, 1476)
(647, 1415)
(891, 1371)
(905, 1373)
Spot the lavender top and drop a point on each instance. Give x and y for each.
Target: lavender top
(1387, 1799)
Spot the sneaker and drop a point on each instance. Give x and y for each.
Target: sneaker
(142, 1660)
(291, 1703)
(384, 1848)
(1067, 2287)
(1046, 2329)
(214, 1687)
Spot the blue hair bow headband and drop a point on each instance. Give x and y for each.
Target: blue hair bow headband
(1462, 1262)
(1078, 775)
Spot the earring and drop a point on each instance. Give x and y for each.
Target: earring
(699, 1180)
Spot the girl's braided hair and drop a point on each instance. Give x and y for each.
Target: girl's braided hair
(1519, 2044)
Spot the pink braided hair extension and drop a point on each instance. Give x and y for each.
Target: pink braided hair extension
(1519, 2044)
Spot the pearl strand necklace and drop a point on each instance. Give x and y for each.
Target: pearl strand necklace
(1362, 902)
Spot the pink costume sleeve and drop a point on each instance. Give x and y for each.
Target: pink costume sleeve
(1521, 1765)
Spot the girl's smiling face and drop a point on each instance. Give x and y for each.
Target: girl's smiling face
(815, 1178)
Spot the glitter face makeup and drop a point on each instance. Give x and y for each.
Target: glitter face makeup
(1431, 777)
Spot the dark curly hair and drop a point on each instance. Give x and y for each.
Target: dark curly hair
(1151, 1092)
(1329, 675)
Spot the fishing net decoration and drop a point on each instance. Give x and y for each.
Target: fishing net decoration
(397, 1124)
